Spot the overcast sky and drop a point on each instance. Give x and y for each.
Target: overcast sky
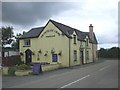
(103, 14)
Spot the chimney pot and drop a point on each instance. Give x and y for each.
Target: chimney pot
(90, 25)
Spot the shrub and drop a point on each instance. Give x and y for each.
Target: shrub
(11, 70)
(23, 67)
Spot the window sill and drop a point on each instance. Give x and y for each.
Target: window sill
(26, 46)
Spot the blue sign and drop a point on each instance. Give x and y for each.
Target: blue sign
(54, 58)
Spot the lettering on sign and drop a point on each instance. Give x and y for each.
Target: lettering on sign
(51, 36)
(51, 30)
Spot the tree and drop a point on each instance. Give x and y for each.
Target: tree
(109, 53)
(15, 44)
(7, 35)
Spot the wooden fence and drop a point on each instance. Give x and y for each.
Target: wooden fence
(11, 60)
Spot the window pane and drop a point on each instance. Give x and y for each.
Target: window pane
(26, 42)
(54, 58)
(75, 55)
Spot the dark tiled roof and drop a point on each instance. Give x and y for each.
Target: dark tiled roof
(69, 30)
(81, 35)
(35, 32)
(64, 28)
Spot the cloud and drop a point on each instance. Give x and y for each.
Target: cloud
(103, 14)
(27, 13)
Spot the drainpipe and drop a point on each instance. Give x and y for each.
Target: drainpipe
(69, 52)
(93, 52)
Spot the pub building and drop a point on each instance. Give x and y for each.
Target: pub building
(58, 44)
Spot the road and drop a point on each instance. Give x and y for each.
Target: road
(102, 74)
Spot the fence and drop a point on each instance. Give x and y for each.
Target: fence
(11, 60)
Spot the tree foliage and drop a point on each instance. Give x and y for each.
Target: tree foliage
(15, 44)
(109, 53)
(7, 35)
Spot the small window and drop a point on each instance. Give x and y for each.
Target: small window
(87, 54)
(87, 42)
(80, 42)
(75, 55)
(74, 39)
(27, 42)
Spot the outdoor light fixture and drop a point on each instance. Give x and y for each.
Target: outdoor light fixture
(40, 51)
(21, 53)
(60, 53)
(46, 53)
(52, 51)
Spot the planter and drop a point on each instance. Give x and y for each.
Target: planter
(50, 67)
(23, 72)
(5, 70)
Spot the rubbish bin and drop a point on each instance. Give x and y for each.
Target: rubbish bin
(37, 68)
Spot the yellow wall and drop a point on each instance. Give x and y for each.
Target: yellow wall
(74, 47)
(59, 43)
(45, 43)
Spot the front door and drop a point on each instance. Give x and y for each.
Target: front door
(28, 53)
(82, 57)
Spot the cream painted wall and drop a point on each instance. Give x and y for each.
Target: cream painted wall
(74, 47)
(46, 43)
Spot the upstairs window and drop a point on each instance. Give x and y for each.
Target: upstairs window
(27, 42)
(74, 36)
(87, 42)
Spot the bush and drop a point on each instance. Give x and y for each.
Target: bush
(23, 67)
(11, 70)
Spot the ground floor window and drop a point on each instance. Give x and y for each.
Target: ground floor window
(87, 55)
(75, 55)
(54, 58)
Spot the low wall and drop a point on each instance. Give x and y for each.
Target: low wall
(5, 70)
(50, 67)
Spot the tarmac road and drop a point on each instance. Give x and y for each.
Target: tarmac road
(102, 74)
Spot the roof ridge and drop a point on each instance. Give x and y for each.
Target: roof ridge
(38, 27)
(62, 24)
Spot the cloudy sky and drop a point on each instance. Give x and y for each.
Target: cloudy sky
(103, 14)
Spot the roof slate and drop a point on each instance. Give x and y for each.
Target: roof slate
(67, 30)
(34, 32)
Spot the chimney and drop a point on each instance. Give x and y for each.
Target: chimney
(91, 32)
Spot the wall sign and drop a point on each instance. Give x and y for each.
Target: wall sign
(51, 30)
(51, 36)
(54, 58)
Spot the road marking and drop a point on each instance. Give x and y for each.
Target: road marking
(103, 68)
(75, 81)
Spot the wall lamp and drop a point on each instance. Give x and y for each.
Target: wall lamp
(52, 51)
(46, 53)
(60, 53)
(40, 51)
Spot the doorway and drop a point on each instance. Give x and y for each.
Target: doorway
(28, 54)
(82, 57)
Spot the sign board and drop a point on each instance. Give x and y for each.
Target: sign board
(54, 58)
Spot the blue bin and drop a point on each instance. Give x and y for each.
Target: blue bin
(37, 68)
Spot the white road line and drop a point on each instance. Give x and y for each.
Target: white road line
(103, 68)
(75, 81)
